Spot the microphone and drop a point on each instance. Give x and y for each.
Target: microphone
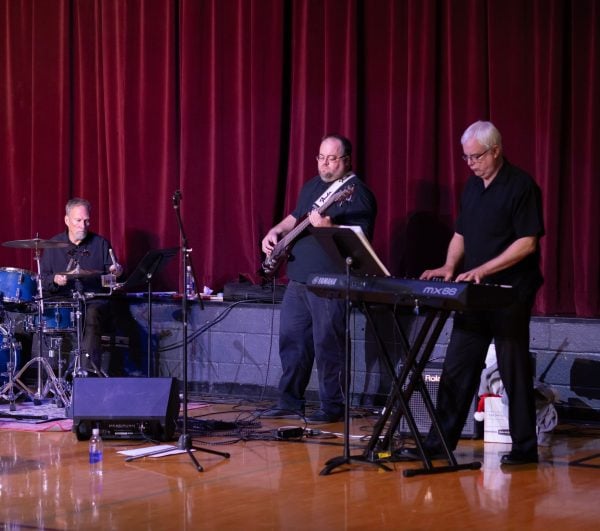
(176, 198)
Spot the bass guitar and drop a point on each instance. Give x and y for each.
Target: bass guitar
(280, 252)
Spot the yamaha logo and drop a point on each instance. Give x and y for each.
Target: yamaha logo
(324, 281)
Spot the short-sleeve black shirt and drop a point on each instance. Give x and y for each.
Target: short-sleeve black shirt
(492, 218)
(307, 255)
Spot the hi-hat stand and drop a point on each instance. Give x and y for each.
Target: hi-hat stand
(185, 441)
(53, 384)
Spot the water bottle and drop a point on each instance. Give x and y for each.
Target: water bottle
(96, 452)
(190, 285)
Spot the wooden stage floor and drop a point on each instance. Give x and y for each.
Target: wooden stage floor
(270, 484)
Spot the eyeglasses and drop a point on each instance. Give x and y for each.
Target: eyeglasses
(475, 158)
(329, 158)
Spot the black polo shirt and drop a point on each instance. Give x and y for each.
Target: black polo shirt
(492, 218)
(307, 255)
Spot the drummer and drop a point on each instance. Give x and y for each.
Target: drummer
(74, 272)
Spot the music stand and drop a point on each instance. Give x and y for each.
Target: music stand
(350, 251)
(149, 266)
(349, 241)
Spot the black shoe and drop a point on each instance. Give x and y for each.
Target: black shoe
(322, 417)
(412, 454)
(280, 413)
(515, 458)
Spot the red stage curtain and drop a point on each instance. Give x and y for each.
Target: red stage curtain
(124, 102)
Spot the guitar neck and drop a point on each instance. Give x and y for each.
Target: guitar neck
(291, 236)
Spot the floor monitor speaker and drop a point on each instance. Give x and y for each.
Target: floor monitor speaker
(125, 408)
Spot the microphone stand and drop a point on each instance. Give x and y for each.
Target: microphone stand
(185, 441)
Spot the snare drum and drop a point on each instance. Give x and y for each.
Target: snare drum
(57, 317)
(17, 285)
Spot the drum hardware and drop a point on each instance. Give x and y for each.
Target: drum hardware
(42, 364)
(42, 327)
(53, 350)
(12, 348)
(76, 368)
(53, 384)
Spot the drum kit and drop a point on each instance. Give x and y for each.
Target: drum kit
(21, 296)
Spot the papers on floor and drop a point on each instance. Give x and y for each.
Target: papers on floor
(153, 451)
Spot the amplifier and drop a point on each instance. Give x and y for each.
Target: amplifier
(121, 429)
(125, 408)
(431, 377)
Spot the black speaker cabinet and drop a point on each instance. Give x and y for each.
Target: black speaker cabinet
(125, 408)
(431, 377)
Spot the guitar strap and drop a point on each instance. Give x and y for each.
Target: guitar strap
(335, 186)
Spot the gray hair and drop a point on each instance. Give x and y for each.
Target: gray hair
(75, 202)
(484, 132)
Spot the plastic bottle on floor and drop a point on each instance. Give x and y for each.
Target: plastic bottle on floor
(96, 452)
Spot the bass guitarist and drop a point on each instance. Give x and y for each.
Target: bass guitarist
(312, 327)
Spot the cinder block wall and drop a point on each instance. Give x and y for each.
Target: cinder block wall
(233, 351)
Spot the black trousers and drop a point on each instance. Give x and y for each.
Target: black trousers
(465, 359)
(311, 329)
(97, 319)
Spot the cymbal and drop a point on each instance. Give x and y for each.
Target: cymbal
(80, 273)
(35, 243)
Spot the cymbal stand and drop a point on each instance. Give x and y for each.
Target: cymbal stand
(37, 398)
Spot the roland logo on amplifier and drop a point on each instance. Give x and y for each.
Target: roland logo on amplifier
(431, 377)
